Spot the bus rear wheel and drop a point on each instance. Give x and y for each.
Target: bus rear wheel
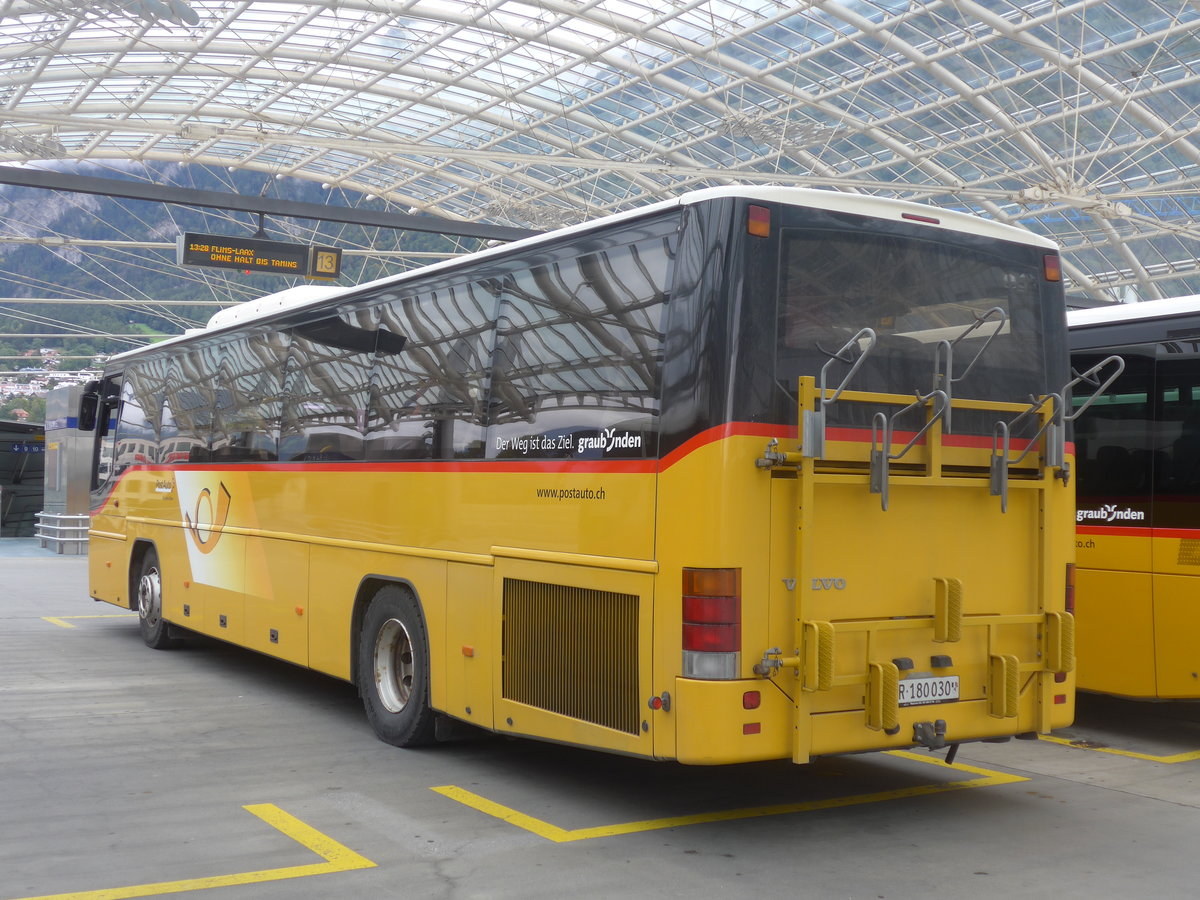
(393, 669)
(155, 631)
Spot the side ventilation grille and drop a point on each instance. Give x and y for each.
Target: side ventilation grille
(572, 651)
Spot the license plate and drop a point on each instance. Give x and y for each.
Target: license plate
(920, 691)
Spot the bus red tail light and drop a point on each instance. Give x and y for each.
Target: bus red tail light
(712, 623)
(711, 638)
(1052, 267)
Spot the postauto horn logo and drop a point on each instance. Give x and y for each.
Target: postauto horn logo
(204, 525)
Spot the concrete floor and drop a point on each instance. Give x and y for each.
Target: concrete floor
(210, 772)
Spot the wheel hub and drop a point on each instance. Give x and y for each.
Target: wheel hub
(393, 665)
(149, 597)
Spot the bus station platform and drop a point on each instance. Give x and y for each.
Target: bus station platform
(210, 771)
(24, 548)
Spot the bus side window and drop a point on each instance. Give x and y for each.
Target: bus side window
(577, 359)
(1178, 377)
(136, 434)
(326, 388)
(249, 404)
(1120, 451)
(428, 401)
(187, 409)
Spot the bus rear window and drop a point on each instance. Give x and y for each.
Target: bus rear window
(914, 292)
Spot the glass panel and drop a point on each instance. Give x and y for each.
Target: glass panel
(576, 369)
(188, 403)
(327, 388)
(249, 402)
(1176, 435)
(914, 292)
(429, 396)
(1117, 448)
(137, 431)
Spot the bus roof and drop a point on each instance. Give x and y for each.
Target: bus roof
(302, 296)
(1132, 312)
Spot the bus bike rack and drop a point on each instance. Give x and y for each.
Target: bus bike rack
(1054, 429)
(882, 427)
(944, 379)
(812, 425)
(947, 379)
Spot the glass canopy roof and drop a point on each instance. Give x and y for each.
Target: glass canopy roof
(1078, 120)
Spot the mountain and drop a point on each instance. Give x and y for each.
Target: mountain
(125, 281)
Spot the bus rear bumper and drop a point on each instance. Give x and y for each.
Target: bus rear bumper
(724, 722)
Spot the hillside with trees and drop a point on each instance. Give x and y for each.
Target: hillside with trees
(125, 284)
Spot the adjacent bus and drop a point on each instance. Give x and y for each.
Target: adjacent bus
(750, 474)
(1138, 529)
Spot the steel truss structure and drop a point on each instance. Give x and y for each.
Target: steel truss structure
(1077, 119)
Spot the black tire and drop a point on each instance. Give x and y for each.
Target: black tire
(148, 594)
(393, 669)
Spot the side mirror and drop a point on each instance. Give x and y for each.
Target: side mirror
(89, 406)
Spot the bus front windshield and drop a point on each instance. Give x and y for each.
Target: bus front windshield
(914, 292)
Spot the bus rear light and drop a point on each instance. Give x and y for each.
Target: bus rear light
(710, 610)
(752, 728)
(712, 582)
(1052, 267)
(758, 221)
(1060, 699)
(1060, 677)
(712, 623)
(711, 638)
(751, 700)
(1069, 597)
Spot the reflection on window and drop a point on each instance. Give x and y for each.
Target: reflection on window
(249, 406)
(1115, 443)
(429, 400)
(327, 388)
(188, 403)
(576, 367)
(913, 293)
(135, 433)
(555, 359)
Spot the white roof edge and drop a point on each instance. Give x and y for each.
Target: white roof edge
(837, 201)
(1131, 312)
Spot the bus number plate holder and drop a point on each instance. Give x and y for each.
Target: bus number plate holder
(932, 689)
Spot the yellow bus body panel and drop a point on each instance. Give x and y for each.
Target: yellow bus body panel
(1176, 624)
(1135, 595)
(280, 559)
(876, 586)
(1115, 615)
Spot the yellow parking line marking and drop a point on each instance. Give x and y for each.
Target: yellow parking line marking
(61, 621)
(338, 858)
(985, 778)
(1169, 760)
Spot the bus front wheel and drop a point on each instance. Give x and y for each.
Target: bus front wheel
(155, 631)
(393, 669)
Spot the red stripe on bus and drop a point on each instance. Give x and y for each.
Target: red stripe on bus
(475, 465)
(720, 433)
(1182, 533)
(551, 466)
(1117, 530)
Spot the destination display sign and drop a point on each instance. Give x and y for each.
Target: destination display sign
(256, 255)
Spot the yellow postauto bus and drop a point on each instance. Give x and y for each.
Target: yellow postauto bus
(1138, 541)
(756, 473)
